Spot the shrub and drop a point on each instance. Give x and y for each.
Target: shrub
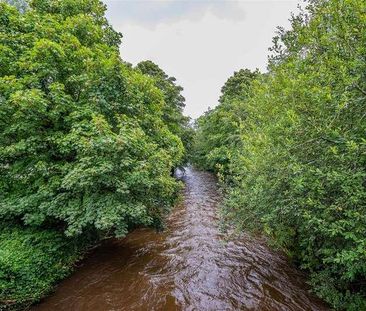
(32, 261)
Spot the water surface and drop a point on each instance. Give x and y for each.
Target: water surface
(187, 267)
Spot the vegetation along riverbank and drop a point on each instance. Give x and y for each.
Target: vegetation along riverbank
(289, 146)
(89, 144)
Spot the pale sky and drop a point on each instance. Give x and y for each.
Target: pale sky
(201, 43)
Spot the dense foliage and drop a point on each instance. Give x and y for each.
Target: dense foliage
(218, 131)
(87, 143)
(291, 148)
(32, 260)
(173, 116)
(82, 138)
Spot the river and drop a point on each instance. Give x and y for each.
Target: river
(189, 266)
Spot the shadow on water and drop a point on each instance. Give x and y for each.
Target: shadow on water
(186, 267)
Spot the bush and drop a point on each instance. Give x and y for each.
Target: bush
(32, 261)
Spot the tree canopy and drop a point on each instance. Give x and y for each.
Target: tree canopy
(84, 139)
(173, 116)
(218, 131)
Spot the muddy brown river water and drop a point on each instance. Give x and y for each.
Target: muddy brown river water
(189, 266)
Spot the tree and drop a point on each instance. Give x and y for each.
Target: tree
(85, 149)
(297, 168)
(238, 85)
(174, 104)
(82, 141)
(218, 130)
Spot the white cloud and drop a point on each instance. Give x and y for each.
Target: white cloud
(150, 13)
(203, 52)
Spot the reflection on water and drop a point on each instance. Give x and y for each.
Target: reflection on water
(187, 267)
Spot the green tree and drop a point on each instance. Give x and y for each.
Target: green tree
(218, 131)
(85, 148)
(297, 172)
(82, 139)
(174, 104)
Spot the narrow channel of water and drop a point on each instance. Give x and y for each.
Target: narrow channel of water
(187, 267)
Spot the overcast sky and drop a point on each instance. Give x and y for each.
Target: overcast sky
(201, 43)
